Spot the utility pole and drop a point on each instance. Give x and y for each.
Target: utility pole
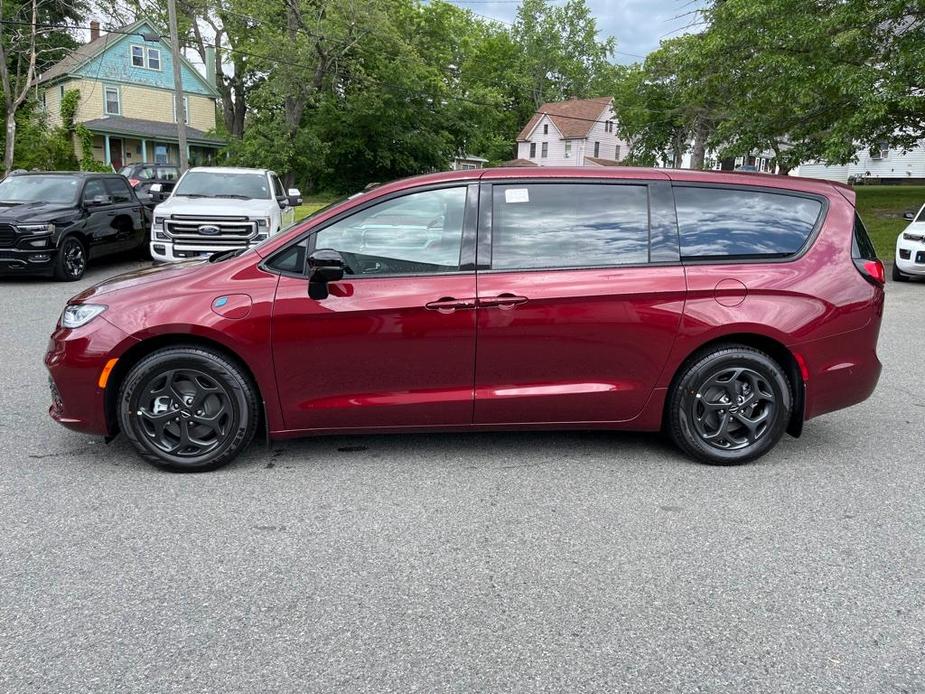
(177, 83)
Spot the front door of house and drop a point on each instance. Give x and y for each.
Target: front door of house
(116, 154)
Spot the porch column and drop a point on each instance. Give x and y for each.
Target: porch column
(144, 150)
(106, 149)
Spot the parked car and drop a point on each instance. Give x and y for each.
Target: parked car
(144, 175)
(725, 311)
(56, 222)
(910, 249)
(214, 209)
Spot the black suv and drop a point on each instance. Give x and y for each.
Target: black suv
(55, 222)
(142, 176)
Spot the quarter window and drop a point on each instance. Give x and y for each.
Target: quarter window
(569, 225)
(728, 223)
(420, 233)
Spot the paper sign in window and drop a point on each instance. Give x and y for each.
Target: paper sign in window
(516, 195)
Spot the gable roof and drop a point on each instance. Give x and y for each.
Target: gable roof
(88, 51)
(573, 118)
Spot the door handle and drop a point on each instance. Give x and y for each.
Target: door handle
(448, 304)
(504, 301)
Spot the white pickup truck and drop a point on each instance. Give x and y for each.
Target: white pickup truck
(213, 209)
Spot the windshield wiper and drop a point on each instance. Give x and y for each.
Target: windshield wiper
(192, 195)
(236, 196)
(225, 255)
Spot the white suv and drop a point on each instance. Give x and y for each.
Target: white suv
(213, 209)
(910, 250)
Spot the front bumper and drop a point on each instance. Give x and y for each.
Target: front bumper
(165, 252)
(17, 261)
(910, 256)
(75, 360)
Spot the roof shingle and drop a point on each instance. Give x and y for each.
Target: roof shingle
(573, 118)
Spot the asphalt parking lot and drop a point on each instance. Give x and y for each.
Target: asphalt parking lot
(469, 563)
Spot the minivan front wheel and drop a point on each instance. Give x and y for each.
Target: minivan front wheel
(188, 409)
(730, 405)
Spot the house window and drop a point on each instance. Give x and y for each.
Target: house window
(880, 151)
(111, 105)
(61, 91)
(154, 59)
(568, 148)
(145, 57)
(616, 153)
(160, 154)
(533, 150)
(173, 101)
(545, 128)
(597, 149)
(544, 150)
(608, 126)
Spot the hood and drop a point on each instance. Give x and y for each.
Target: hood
(915, 228)
(27, 212)
(138, 278)
(208, 207)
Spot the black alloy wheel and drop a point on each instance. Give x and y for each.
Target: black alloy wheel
(188, 409)
(71, 261)
(729, 405)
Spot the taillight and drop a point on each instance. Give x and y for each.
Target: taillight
(872, 270)
(133, 182)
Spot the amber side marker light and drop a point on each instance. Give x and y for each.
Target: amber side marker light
(104, 375)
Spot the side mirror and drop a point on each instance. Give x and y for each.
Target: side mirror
(156, 191)
(295, 197)
(99, 201)
(909, 215)
(324, 265)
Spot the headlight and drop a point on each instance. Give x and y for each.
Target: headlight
(157, 223)
(263, 222)
(36, 228)
(77, 315)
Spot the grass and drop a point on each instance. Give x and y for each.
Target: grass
(881, 208)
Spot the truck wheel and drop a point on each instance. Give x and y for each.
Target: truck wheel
(188, 409)
(898, 276)
(71, 261)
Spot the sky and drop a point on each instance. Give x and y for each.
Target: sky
(638, 25)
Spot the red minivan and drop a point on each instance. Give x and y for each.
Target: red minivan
(724, 308)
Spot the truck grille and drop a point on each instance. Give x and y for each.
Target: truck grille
(232, 231)
(7, 236)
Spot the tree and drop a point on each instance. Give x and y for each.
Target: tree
(28, 44)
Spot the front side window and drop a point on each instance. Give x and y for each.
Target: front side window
(557, 225)
(728, 223)
(113, 107)
(166, 173)
(93, 188)
(420, 233)
(278, 188)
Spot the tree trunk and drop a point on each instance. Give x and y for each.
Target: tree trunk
(782, 168)
(10, 144)
(698, 152)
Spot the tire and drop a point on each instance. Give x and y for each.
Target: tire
(898, 276)
(706, 392)
(71, 260)
(188, 409)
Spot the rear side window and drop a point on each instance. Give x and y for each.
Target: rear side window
(728, 223)
(553, 225)
(862, 246)
(118, 189)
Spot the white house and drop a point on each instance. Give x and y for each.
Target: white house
(577, 132)
(879, 164)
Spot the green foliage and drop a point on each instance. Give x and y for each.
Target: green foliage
(69, 104)
(87, 162)
(40, 147)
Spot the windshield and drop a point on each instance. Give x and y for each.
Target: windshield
(54, 189)
(212, 184)
(921, 217)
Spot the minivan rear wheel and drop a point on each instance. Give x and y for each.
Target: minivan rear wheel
(729, 405)
(188, 409)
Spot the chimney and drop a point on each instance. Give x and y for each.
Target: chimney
(94, 30)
